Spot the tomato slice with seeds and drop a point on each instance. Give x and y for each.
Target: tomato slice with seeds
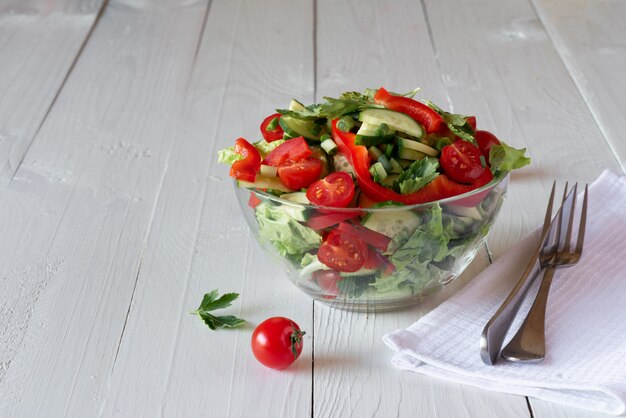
(461, 162)
(272, 134)
(343, 251)
(300, 174)
(295, 149)
(336, 189)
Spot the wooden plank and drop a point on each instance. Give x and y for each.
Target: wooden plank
(506, 70)
(39, 42)
(384, 43)
(590, 40)
(506, 67)
(252, 59)
(74, 220)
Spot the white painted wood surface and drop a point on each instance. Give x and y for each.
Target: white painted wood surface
(115, 217)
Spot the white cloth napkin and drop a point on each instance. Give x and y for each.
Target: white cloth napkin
(585, 364)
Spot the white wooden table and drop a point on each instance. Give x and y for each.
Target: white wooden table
(115, 218)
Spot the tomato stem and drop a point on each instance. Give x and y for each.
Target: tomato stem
(296, 340)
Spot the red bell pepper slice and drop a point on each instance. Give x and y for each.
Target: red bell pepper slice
(273, 134)
(246, 168)
(423, 114)
(324, 221)
(373, 238)
(440, 188)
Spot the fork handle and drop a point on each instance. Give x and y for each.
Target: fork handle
(529, 343)
(496, 329)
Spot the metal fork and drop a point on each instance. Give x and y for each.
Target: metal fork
(528, 344)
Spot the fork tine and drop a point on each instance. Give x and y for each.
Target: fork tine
(570, 222)
(564, 219)
(583, 222)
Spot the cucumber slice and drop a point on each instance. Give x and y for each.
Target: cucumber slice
(410, 154)
(260, 182)
(378, 172)
(268, 171)
(395, 166)
(298, 197)
(391, 223)
(360, 272)
(296, 105)
(298, 213)
(297, 127)
(395, 120)
(417, 146)
(370, 135)
(464, 211)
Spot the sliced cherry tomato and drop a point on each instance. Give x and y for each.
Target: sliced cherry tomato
(461, 162)
(296, 175)
(336, 189)
(254, 200)
(485, 141)
(373, 238)
(327, 281)
(277, 342)
(324, 221)
(440, 188)
(246, 168)
(343, 252)
(423, 114)
(293, 150)
(272, 134)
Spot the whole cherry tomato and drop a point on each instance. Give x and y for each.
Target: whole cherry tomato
(277, 342)
(485, 141)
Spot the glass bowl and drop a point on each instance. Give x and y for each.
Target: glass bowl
(410, 251)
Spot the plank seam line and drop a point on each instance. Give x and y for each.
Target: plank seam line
(435, 52)
(200, 37)
(141, 256)
(530, 407)
(555, 40)
(313, 362)
(104, 5)
(315, 50)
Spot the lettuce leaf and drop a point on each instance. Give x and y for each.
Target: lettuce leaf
(506, 158)
(290, 238)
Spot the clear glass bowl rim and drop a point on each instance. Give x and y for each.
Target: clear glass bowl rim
(449, 200)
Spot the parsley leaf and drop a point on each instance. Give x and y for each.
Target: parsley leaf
(211, 302)
(456, 123)
(418, 175)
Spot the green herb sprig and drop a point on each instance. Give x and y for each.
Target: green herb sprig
(211, 302)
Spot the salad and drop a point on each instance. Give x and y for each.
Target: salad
(358, 193)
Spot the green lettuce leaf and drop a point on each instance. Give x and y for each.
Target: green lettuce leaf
(228, 156)
(505, 158)
(290, 238)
